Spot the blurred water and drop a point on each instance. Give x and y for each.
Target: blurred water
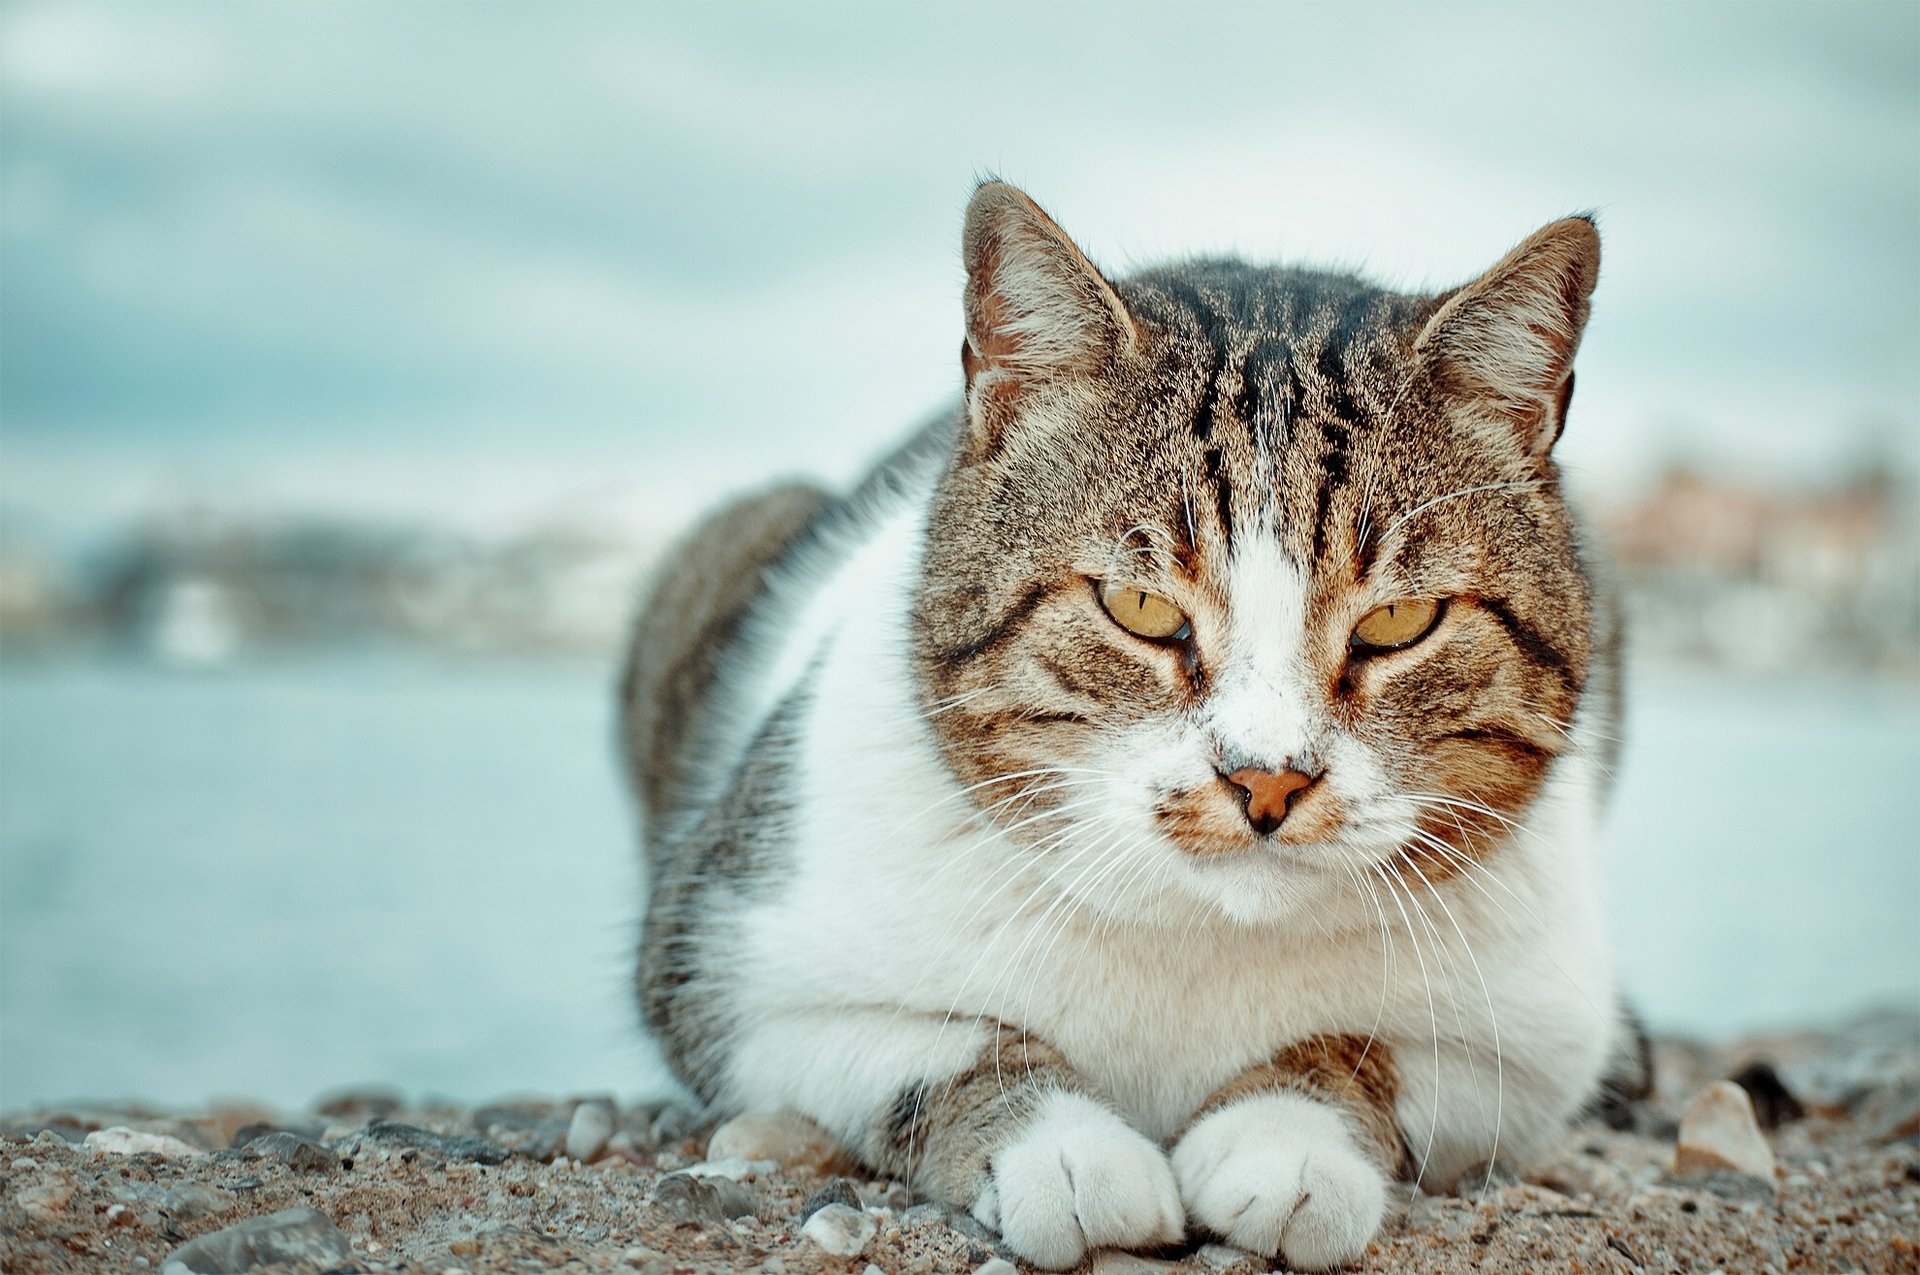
(287, 877)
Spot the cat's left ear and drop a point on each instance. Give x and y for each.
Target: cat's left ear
(1505, 342)
(1039, 315)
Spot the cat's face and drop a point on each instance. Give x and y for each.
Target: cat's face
(1246, 585)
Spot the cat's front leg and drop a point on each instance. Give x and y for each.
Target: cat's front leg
(1292, 1157)
(982, 1117)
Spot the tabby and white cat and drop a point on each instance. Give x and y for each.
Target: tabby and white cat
(1163, 795)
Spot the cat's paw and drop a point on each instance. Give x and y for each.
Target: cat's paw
(1078, 1178)
(1281, 1174)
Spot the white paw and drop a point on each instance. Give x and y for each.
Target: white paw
(1077, 1178)
(1281, 1174)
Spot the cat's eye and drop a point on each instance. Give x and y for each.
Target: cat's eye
(1145, 614)
(1398, 624)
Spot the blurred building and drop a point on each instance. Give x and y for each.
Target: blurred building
(1762, 578)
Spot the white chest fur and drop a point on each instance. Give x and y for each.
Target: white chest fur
(1493, 990)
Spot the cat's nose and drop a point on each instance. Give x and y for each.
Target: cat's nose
(1267, 795)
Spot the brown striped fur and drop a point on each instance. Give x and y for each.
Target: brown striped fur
(942, 1134)
(685, 622)
(1355, 1074)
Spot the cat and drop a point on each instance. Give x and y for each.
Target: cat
(1162, 797)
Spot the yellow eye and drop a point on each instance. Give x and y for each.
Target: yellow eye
(1145, 614)
(1399, 623)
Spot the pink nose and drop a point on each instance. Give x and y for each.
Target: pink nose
(1267, 796)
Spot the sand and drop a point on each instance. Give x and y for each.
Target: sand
(447, 1189)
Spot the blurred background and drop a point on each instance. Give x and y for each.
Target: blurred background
(356, 359)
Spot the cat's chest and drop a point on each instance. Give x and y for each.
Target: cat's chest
(1158, 1018)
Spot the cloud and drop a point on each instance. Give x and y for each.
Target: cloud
(554, 228)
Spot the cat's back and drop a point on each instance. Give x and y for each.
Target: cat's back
(721, 611)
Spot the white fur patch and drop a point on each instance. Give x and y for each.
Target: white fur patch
(1078, 1178)
(1280, 1174)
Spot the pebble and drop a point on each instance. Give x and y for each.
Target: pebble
(1221, 1256)
(48, 1201)
(1719, 1131)
(892, 1196)
(291, 1150)
(996, 1266)
(736, 1198)
(685, 1198)
(121, 1140)
(457, 1146)
(840, 1229)
(780, 1136)
(925, 1214)
(731, 1167)
(1773, 1103)
(293, 1235)
(531, 1128)
(190, 1200)
(673, 1123)
(1114, 1262)
(836, 1191)
(589, 1131)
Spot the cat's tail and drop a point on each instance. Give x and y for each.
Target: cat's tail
(689, 615)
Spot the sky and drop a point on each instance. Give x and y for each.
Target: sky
(486, 262)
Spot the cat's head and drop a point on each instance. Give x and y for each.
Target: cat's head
(1244, 583)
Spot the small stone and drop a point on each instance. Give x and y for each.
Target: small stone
(736, 1198)
(840, 1229)
(1720, 1132)
(836, 1191)
(892, 1196)
(48, 1201)
(1773, 1103)
(293, 1151)
(685, 1198)
(672, 1124)
(121, 1140)
(293, 1235)
(1221, 1256)
(457, 1146)
(731, 1167)
(781, 1136)
(1743, 1188)
(996, 1266)
(1113, 1262)
(22, 1164)
(589, 1130)
(190, 1200)
(925, 1214)
(872, 1270)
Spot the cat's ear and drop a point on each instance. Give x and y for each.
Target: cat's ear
(1039, 315)
(1505, 342)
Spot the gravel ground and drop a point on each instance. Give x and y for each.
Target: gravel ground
(368, 1182)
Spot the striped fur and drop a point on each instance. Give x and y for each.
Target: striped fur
(916, 805)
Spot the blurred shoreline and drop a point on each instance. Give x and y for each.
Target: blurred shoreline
(1731, 573)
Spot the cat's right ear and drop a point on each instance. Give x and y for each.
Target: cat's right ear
(1039, 315)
